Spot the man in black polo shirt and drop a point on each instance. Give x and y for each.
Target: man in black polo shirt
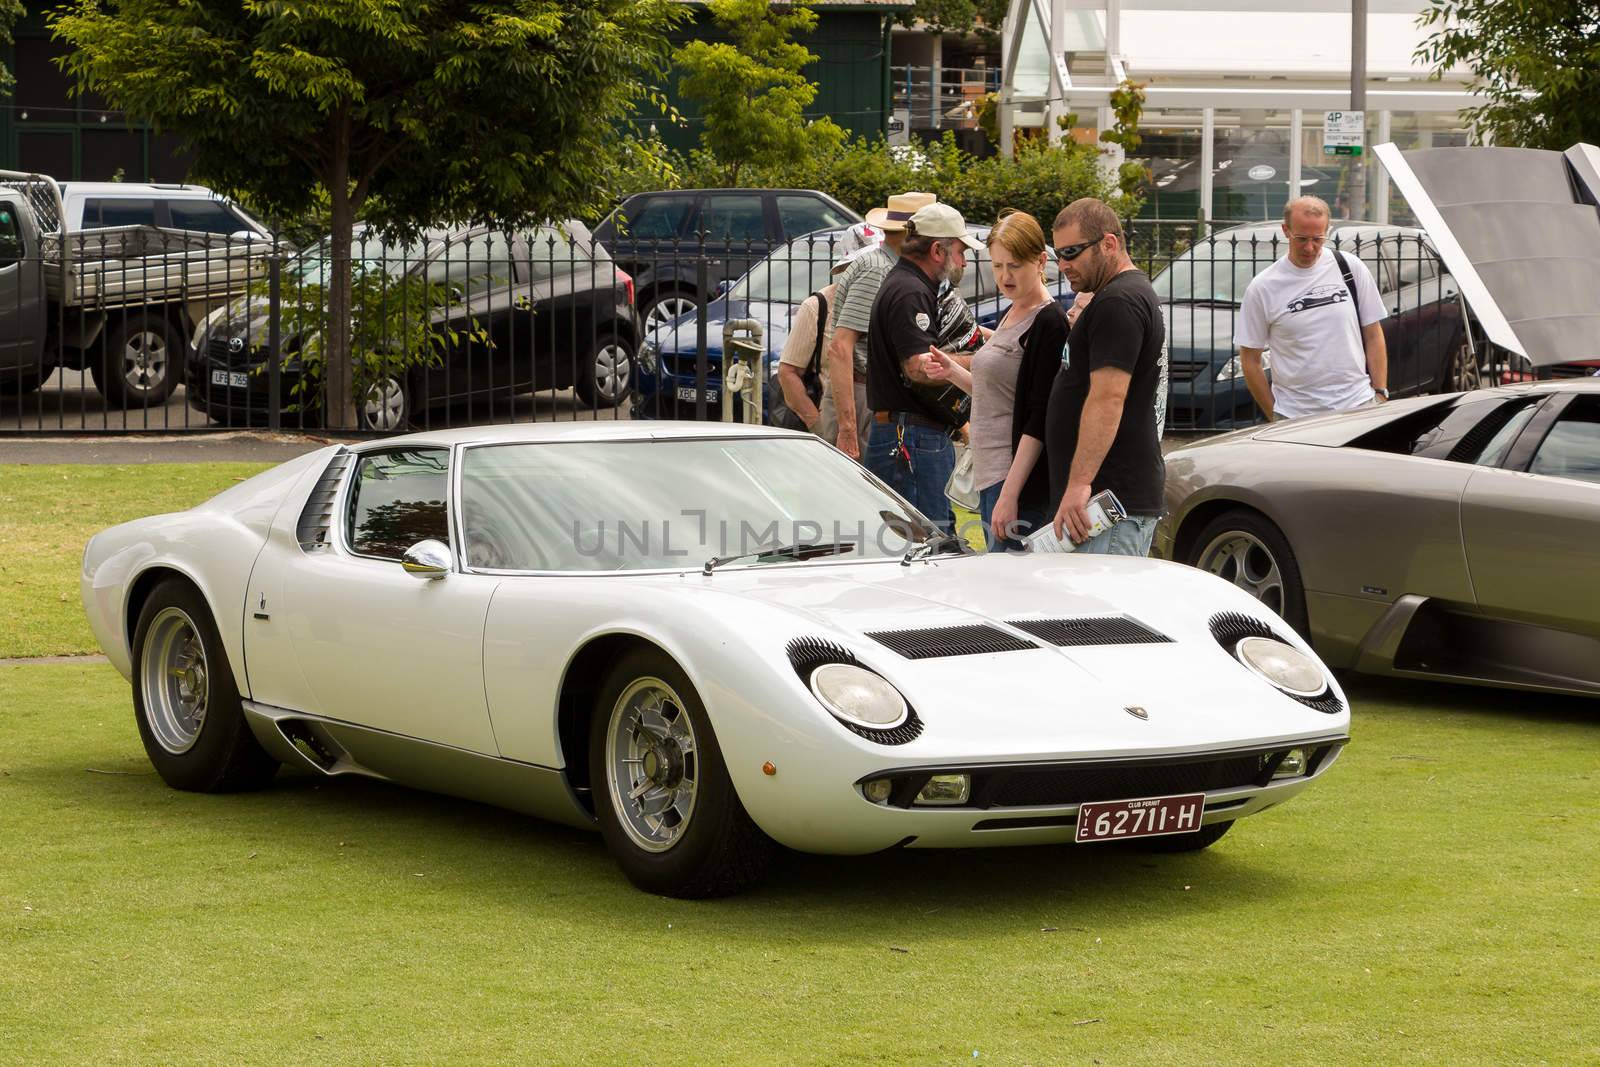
(1100, 426)
(909, 444)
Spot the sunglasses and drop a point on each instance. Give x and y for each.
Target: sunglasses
(1072, 252)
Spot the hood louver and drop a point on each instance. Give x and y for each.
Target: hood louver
(944, 641)
(316, 518)
(1109, 630)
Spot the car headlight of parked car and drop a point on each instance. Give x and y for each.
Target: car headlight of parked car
(649, 356)
(856, 695)
(1234, 369)
(1283, 665)
(197, 342)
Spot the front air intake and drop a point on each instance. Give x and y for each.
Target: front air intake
(1109, 630)
(944, 641)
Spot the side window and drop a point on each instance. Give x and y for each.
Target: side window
(113, 211)
(1572, 447)
(474, 264)
(1417, 262)
(550, 254)
(658, 218)
(10, 236)
(807, 214)
(399, 499)
(734, 218)
(207, 216)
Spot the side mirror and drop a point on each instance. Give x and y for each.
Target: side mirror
(724, 285)
(427, 559)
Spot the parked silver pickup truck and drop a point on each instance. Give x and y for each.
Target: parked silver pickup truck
(117, 301)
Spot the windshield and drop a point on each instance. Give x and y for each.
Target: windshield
(673, 504)
(792, 273)
(1216, 271)
(366, 254)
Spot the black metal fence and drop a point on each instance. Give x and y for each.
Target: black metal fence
(141, 329)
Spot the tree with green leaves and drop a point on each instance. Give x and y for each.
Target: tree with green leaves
(1536, 64)
(10, 12)
(959, 16)
(404, 113)
(751, 90)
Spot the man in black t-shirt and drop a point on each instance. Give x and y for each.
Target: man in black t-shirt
(908, 445)
(1100, 427)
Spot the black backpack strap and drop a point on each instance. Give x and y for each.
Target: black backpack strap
(822, 328)
(1349, 283)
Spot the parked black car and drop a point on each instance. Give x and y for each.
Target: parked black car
(656, 238)
(508, 313)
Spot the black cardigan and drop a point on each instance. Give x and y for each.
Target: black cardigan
(1042, 345)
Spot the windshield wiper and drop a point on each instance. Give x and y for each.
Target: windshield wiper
(934, 543)
(790, 552)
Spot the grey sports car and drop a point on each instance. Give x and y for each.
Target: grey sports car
(1449, 537)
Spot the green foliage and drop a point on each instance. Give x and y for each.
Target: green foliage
(959, 16)
(1547, 48)
(1127, 104)
(752, 92)
(10, 12)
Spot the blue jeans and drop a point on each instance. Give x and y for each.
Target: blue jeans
(1028, 521)
(1130, 537)
(920, 473)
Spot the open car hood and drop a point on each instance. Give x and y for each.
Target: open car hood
(1519, 228)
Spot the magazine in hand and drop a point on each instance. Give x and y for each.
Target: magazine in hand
(1105, 511)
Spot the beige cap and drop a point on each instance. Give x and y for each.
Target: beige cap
(901, 207)
(942, 220)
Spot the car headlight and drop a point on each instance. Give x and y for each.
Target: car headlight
(1283, 665)
(210, 320)
(649, 356)
(857, 695)
(1234, 369)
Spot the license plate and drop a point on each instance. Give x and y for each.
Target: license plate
(1118, 820)
(237, 379)
(688, 392)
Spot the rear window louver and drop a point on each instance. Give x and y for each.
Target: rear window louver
(943, 641)
(316, 518)
(1107, 630)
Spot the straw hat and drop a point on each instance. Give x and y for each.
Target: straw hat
(901, 207)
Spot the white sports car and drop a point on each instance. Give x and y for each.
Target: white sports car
(700, 639)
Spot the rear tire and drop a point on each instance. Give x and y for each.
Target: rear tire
(665, 803)
(141, 361)
(1204, 838)
(1245, 547)
(606, 377)
(185, 700)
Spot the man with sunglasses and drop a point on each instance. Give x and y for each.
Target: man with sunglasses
(1100, 427)
(1321, 314)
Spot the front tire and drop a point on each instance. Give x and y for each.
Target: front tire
(606, 378)
(1244, 547)
(185, 700)
(665, 803)
(1462, 370)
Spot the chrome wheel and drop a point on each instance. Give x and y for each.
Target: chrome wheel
(613, 369)
(1241, 558)
(385, 405)
(144, 362)
(174, 680)
(1465, 373)
(652, 764)
(664, 312)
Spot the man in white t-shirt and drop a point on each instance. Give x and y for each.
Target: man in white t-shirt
(1325, 334)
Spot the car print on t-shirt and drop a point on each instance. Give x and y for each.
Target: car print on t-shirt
(1318, 297)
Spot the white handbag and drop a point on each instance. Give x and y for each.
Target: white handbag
(962, 487)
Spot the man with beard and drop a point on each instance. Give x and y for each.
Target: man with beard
(908, 445)
(1101, 427)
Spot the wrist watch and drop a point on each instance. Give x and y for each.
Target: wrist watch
(1381, 392)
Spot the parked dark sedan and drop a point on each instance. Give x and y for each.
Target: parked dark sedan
(1429, 350)
(656, 238)
(507, 314)
(666, 386)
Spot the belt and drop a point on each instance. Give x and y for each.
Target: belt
(861, 379)
(907, 418)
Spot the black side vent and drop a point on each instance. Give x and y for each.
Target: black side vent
(1230, 627)
(1110, 630)
(943, 641)
(806, 654)
(316, 518)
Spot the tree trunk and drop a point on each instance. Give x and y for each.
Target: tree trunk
(339, 400)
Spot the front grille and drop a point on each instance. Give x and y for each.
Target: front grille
(1186, 370)
(1111, 630)
(1088, 782)
(246, 358)
(943, 641)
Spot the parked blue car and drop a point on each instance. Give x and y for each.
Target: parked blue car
(665, 381)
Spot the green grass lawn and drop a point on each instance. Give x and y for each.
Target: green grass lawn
(46, 515)
(1432, 900)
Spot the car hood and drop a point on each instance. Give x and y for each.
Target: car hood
(1004, 704)
(682, 337)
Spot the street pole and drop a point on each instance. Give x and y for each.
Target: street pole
(1358, 102)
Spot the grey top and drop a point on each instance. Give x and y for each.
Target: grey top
(853, 299)
(995, 367)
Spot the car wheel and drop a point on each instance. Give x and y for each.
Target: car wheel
(607, 375)
(1247, 549)
(140, 362)
(662, 795)
(1463, 373)
(664, 309)
(387, 405)
(1205, 837)
(185, 699)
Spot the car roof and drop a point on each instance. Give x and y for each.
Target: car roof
(580, 432)
(1347, 229)
(139, 188)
